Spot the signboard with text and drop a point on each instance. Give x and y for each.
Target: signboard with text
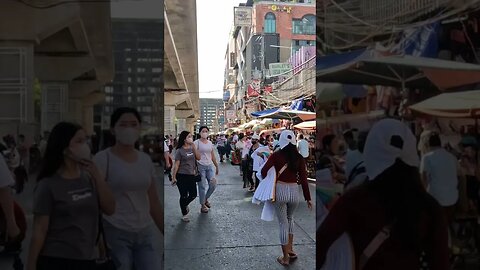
(242, 16)
(277, 69)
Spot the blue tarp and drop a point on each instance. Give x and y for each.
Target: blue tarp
(422, 41)
(261, 113)
(333, 60)
(297, 105)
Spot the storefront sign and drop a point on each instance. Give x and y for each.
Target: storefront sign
(242, 16)
(231, 114)
(277, 69)
(276, 8)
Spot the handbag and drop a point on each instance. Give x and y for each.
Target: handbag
(196, 174)
(105, 261)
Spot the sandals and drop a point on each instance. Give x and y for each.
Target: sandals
(293, 256)
(282, 262)
(204, 210)
(207, 204)
(185, 219)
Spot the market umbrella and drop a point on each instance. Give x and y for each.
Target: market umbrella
(308, 125)
(451, 105)
(403, 71)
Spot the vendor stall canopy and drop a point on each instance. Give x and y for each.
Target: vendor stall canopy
(451, 105)
(371, 67)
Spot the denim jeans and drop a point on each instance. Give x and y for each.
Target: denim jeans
(134, 250)
(207, 173)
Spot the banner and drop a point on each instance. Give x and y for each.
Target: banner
(242, 16)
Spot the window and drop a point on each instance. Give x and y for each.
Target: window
(297, 44)
(304, 26)
(156, 70)
(270, 25)
(129, 99)
(140, 70)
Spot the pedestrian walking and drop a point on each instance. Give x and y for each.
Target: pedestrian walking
(131, 232)
(185, 171)
(207, 167)
(239, 148)
(392, 221)
(287, 191)
(70, 195)
(10, 231)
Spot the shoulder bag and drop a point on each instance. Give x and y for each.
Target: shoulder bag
(196, 174)
(274, 190)
(105, 261)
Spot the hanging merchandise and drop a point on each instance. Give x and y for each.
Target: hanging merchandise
(420, 41)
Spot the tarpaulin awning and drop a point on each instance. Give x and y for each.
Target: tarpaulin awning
(261, 113)
(285, 113)
(401, 71)
(451, 105)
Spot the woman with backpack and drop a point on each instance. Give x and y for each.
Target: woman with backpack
(392, 221)
(69, 198)
(291, 171)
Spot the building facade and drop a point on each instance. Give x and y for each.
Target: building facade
(278, 30)
(138, 54)
(212, 114)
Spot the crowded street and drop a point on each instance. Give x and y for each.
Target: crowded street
(231, 235)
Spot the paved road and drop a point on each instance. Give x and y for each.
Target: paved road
(231, 236)
(26, 201)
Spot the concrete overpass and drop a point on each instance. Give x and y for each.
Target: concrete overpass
(181, 66)
(67, 48)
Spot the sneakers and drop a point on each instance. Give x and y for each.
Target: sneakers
(185, 219)
(207, 204)
(204, 210)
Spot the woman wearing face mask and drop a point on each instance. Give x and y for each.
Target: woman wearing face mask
(184, 170)
(205, 168)
(69, 191)
(132, 232)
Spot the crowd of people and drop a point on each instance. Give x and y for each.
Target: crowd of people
(90, 211)
(408, 197)
(192, 166)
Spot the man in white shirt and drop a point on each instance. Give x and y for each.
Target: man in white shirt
(6, 200)
(439, 170)
(302, 146)
(353, 156)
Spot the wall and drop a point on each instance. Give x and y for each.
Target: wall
(284, 20)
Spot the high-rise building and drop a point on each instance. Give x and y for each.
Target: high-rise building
(138, 52)
(212, 114)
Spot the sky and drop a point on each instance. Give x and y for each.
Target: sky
(213, 16)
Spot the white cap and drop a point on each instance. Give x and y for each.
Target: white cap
(255, 137)
(286, 137)
(380, 151)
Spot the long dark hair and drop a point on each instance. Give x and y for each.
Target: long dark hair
(182, 138)
(58, 141)
(400, 191)
(292, 155)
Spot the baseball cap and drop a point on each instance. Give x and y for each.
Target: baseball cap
(388, 140)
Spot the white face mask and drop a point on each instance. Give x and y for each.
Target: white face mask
(127, 136)
(204, 135)
(81, 152)
(189, 140)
